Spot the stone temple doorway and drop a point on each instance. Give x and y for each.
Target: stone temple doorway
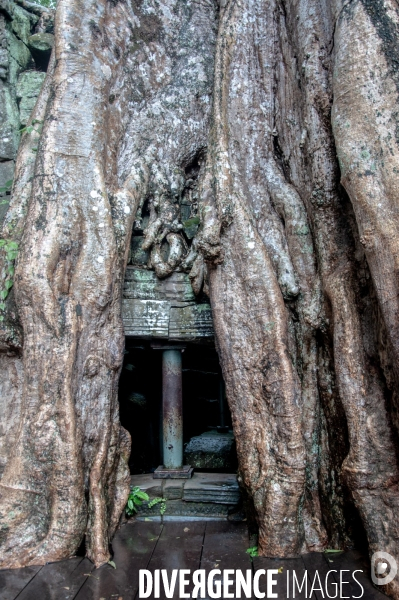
(207, 437)
(172, 398)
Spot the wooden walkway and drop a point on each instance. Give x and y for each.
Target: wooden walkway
(172, 545)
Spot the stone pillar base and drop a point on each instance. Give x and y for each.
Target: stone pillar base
(185, 472)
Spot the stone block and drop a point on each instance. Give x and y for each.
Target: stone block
(28, 88)
(29, 84)
(150, 486)
(145, 285)
(19, 57)
(6, 172)
(9, 124)
(180, 508)
(191, 322)
(146, 318)
(22, 23)
(163, 308)
(173, 489)
(211, 450)
(137, 254)
(6, 175)
(218, 488)
(40, 45)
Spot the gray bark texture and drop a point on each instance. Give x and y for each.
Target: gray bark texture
(280, 117)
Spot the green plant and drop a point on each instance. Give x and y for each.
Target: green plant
(6, 187)
(48, 3)
(191, 222)
(10, 251)
(30, 128)
(135, 499)
(253, 551)
(160, 501)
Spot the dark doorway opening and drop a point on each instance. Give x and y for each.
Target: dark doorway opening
(140, 397)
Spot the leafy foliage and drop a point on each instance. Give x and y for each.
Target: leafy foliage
(253, 551)
(160, 501)
(48, 3)
(6, 187)
(135, 499)
(191, 222)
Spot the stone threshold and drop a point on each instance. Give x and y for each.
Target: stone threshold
(205, 495)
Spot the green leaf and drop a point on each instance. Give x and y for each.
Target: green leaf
(253, 552)
(27, 129)
(3, 294)
(332, 551)
(112, 564)
(142, 496)
(2, 306)
(191, 222)
(1, 318)
(8, 284)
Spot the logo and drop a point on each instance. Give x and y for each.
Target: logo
(383, 568)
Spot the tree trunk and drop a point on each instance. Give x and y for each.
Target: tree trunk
(297, 249)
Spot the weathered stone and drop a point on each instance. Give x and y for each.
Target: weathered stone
(28, 88)
(219, 488)
(191, 322)
(173, 489)
(9, 125)
(3, 48)
(149, 485)
(29, 84)
(138, 255)
(22, 23)
(144, 284)
(211, 450)
(6, 7)
(40, 44)
(180, 508)
(19, 57)
(146, 318)
(6, 172)
(179, 318)
(6, 175)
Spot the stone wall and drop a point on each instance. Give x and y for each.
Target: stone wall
(26, 39)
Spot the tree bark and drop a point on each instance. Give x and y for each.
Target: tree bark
(298, 249)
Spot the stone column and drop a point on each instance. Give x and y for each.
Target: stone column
(172, 413)
(172, 403)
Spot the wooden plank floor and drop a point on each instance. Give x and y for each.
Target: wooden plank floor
(179, 545)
